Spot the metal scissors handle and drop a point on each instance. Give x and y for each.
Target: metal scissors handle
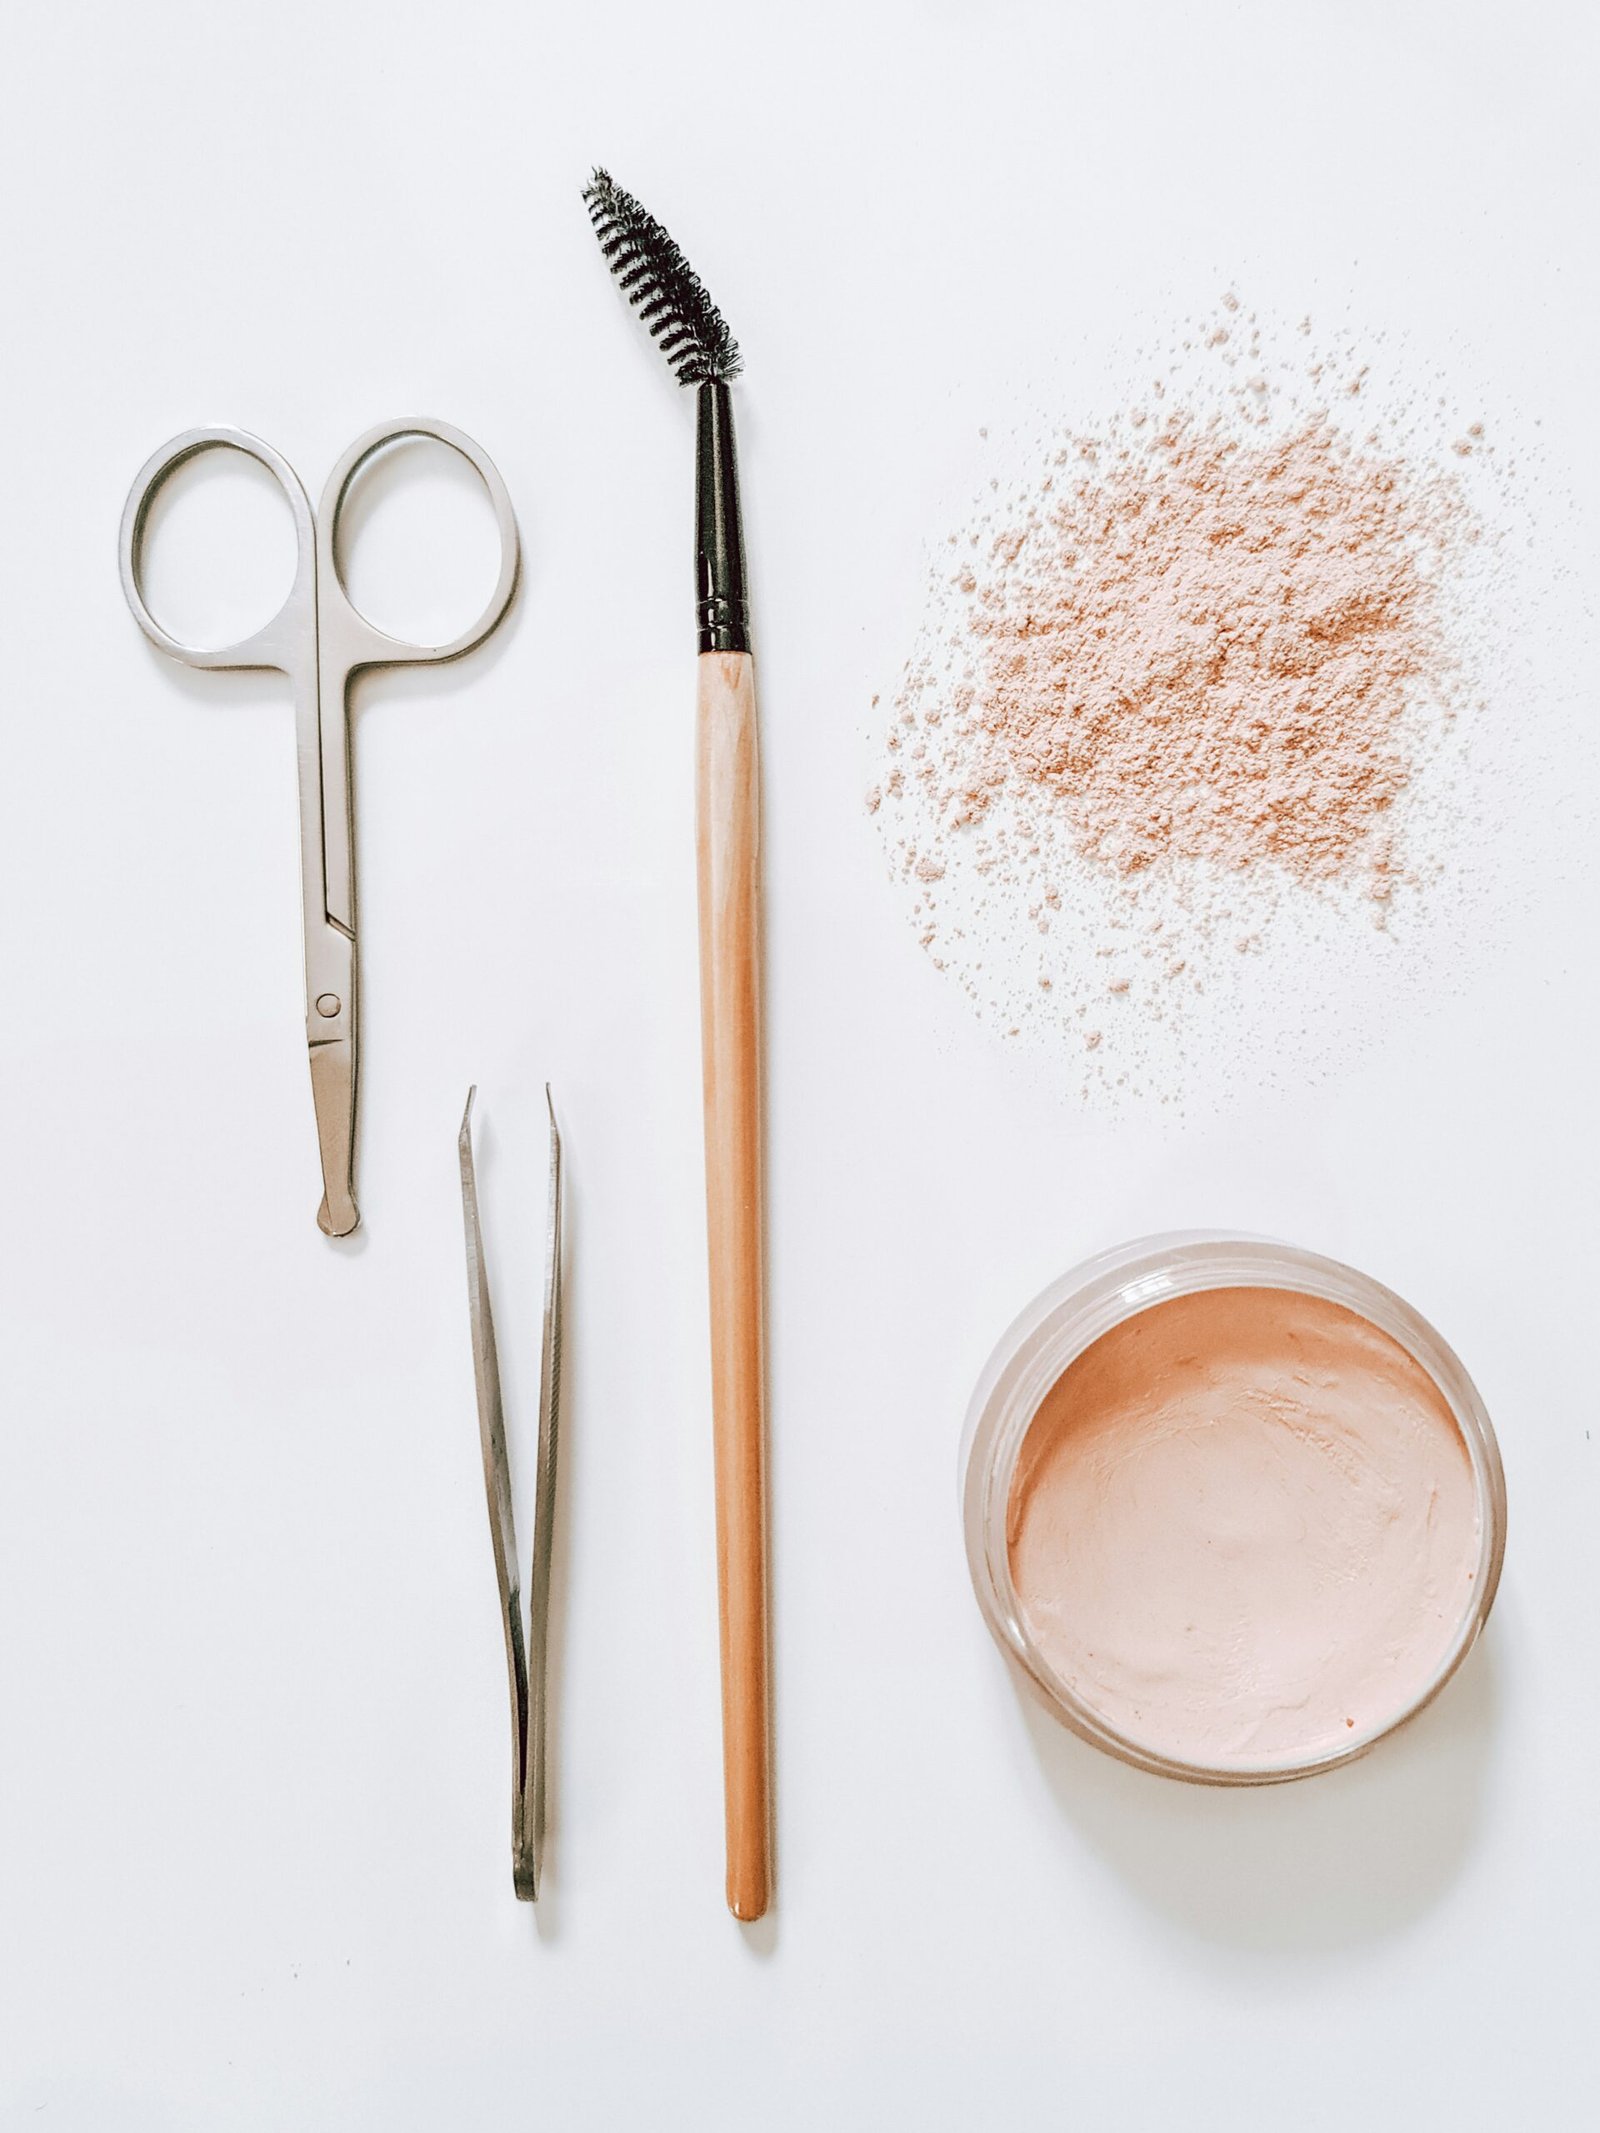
(319, 639)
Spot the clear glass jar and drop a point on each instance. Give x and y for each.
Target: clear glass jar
(1059, 1325)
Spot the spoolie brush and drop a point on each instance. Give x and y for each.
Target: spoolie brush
(701, 351)
(661, 285)
(693, 335)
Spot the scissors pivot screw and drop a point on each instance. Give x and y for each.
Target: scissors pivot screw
(328, 1004)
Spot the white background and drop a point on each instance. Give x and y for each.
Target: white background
(254, 1769)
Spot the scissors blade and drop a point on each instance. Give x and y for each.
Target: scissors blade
(331, 1040)
(333, 1093)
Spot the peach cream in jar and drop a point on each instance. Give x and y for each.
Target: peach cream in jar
(1237, 1510)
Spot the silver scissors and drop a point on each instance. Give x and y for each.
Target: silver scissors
(319, 640)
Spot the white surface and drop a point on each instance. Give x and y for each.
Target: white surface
(254, 1852)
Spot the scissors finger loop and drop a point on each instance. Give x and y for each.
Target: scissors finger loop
(367, 644)
(275, 644)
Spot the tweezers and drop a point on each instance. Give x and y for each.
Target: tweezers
(526, 1660)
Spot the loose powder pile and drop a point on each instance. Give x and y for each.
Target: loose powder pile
(1205, 650)
(1198, 662)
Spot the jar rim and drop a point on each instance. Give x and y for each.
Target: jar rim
(1106, 1291)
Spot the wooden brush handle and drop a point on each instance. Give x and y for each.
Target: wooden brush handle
(728, 800)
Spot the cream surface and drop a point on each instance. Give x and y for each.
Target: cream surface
(1244, 1527)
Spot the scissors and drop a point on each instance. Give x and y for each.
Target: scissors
(319, 640)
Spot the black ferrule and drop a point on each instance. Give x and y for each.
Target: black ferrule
(722, 607)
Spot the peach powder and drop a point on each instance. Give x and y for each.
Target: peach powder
(1244, 1528)
(1182, 692)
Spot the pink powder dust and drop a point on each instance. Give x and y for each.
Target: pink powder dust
(1186, 675)
(1204, 648)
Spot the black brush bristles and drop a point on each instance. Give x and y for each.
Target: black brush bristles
(661, 285)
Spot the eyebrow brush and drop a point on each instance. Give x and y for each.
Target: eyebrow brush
(694, 337)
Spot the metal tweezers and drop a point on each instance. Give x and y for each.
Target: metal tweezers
(525, 1661)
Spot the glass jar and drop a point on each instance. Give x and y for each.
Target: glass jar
(1059, 1325)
